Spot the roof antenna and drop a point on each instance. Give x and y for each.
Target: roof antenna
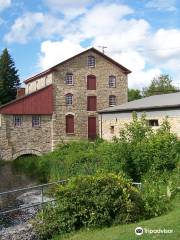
(103, 48)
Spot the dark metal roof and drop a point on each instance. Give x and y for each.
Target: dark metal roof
(125, 70)
(156, 102)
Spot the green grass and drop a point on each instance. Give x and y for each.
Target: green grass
(126, 232)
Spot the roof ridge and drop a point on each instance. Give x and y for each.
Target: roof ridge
(53, 68)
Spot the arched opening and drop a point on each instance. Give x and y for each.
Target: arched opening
(26, 152)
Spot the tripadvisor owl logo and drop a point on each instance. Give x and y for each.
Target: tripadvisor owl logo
(139, 231)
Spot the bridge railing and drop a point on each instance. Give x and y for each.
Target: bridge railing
(41, 187)
(42, 201)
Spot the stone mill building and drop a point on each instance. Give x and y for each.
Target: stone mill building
(61, 104)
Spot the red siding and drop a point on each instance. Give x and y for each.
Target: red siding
(91, 103)
(69, 123)
(91, 82)
(39, 102)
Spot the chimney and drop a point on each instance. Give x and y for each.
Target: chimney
(20, 93)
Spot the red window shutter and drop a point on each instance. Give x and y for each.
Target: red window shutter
(69, 124)
(91, 103)
(91, 82)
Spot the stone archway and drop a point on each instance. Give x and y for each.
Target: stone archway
(26, 152)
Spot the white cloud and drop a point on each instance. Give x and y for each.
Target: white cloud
(108, 24)
(167, 5)
(23, 27)
(4, 4)
(32, 25)
(166, 44)
(70, 8)
(54, 52)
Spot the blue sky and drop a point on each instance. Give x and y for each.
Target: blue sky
(143, 35)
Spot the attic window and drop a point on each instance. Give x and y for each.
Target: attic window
(112, 81)
(69, 79)
(153, 122)
(91, 61)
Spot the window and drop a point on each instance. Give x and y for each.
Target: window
(17, 120)
(112, 81)
(91, 103)
(69, 124)
(153, 122)
(112, 100)
(36, 121)
(112, 129)
(91, 82)
(91, 61)
(69, 79)
(69, 99)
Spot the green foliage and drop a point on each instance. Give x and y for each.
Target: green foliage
(134, 153)
(91, 201)
(38, 167)
(160, 85)
(155, 197)
(134, 94)
(144, 148)
(9, 79)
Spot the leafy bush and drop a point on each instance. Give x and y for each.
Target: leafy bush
(144, 148)
(154, 193)
(135, 152)
(91, 201)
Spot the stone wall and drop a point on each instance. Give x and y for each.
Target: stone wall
(78, 67)
(117, 120)
(25, 139)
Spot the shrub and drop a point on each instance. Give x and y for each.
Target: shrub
(144, 148)
(91, 201)
(154, 193)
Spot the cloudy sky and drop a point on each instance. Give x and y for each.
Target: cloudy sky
(142, 35)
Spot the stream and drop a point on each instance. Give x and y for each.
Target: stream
(9, 180)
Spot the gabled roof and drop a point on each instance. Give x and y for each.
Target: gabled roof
(156, 102)
(125, 70)
(39, 102)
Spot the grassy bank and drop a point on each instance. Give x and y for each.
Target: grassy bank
(126, 232)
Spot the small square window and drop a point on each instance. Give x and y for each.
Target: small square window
(17, 121)
(112, 129)
(153, 122)
(69, 79)
(91, 61)
(36, 121)
(112, 81)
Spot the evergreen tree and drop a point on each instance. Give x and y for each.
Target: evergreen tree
(9, 79)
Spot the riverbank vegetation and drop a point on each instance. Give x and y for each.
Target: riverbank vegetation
(139, 154)
(169, 221)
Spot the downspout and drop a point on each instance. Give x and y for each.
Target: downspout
(101, 125)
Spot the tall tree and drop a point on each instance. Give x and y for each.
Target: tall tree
(134, 94)
(9, 79)
(160, 85)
